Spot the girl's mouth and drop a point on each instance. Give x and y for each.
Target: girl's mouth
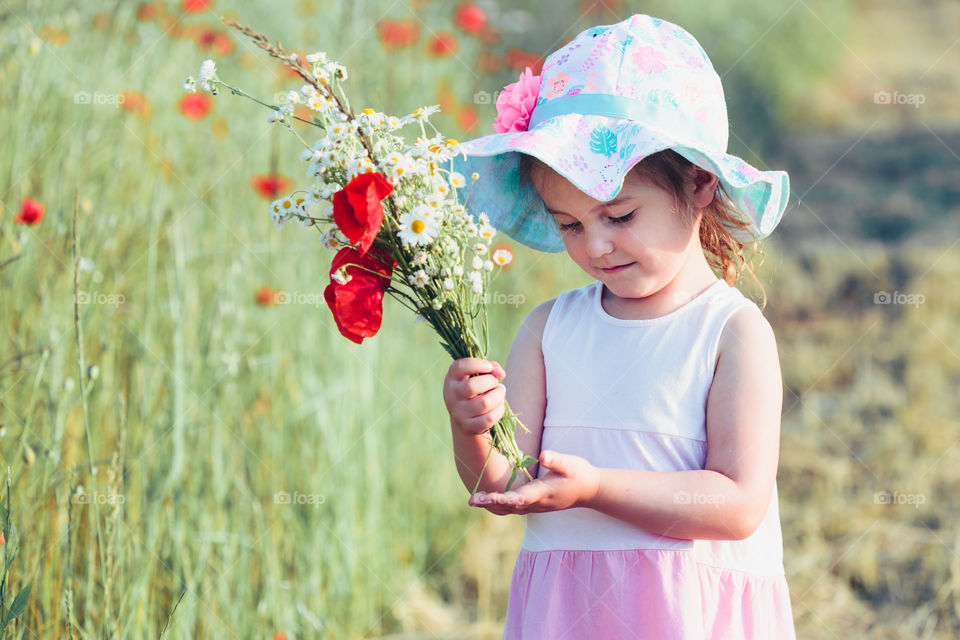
(619, 268)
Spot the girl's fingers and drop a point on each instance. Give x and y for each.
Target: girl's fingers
(463, 368)
(477, 385)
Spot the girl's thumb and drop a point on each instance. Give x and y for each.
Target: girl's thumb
(551, 461)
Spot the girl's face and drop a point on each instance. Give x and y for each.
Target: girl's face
(636, 244)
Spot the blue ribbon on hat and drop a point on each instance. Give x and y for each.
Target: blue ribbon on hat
(667, 121)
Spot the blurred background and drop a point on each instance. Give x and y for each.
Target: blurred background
(198, 453)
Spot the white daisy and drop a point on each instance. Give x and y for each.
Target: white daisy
(420, 257)
(472, 230)
(502, 257)
(419, 278)
(487, 232)
(477, 263)
(457, 180)
(417, 228)
(457, 270)
(480, 249)
(447, 284)
(488, 265)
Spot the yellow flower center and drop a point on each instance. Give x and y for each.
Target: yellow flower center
(369, 111)
(417, 226)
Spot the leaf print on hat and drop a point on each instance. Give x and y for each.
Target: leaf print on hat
(603, 141)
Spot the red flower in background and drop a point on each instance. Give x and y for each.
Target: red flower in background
(269, 186)
(467, 118)
(135, 101)
(442, 44)
(195, 106)
(196, 6)
(266, 297)
(470, 18)
(397, 34)
(146, 11)
(518, 59)
(31, 212)
(358, 210)
(357, 303)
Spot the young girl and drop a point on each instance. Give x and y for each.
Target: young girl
(653, 394)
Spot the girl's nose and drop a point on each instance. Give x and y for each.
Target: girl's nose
(597, 243)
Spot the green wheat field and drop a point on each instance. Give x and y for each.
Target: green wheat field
(191, 450)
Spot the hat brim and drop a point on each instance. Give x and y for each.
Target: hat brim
(595, 153)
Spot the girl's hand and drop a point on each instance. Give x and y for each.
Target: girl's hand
(473, 394)
(571, 482)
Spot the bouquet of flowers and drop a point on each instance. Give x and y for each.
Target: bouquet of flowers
(393, 218)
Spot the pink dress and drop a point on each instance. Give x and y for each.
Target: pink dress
(631, 394)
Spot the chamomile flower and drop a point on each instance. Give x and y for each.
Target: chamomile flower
(477, 263)
(472, 230)
(208, 72)
(420, 257)
(487, 232)
(488, 265)
(419, 278)
(480, 249)
(447, 284)
(417, 228)
(457, 180)
(340, 276)
(457, 270)
(330, 240)
(502, 257)
(320, 57)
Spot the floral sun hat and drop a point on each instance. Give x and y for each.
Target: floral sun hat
(609, 98)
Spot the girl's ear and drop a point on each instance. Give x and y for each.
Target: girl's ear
(704, 187)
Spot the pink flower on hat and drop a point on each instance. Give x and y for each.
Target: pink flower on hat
(516, 102)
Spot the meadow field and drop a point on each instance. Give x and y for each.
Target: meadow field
(190, 448)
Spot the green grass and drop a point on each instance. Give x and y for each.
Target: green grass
(203, 406)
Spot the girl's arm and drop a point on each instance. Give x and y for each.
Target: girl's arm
(724, 501)
(476, 404)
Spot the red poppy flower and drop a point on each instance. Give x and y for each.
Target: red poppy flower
(269, 186)
(195, 106)
(490, 37)
(31, 212)
(397, 34)
(358, 210)
(135, 101)
(266, 297)
(196, 6)
(467, 119)
(223, 43)
(442, 44)
(470, 18)
(205, 38)
(146, 11)
(279, 635)
(518, 59)
(357, 304)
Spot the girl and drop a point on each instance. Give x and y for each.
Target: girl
(653, 394)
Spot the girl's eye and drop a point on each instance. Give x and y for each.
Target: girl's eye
(576, 226)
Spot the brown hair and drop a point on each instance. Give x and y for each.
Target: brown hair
(674, 173)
